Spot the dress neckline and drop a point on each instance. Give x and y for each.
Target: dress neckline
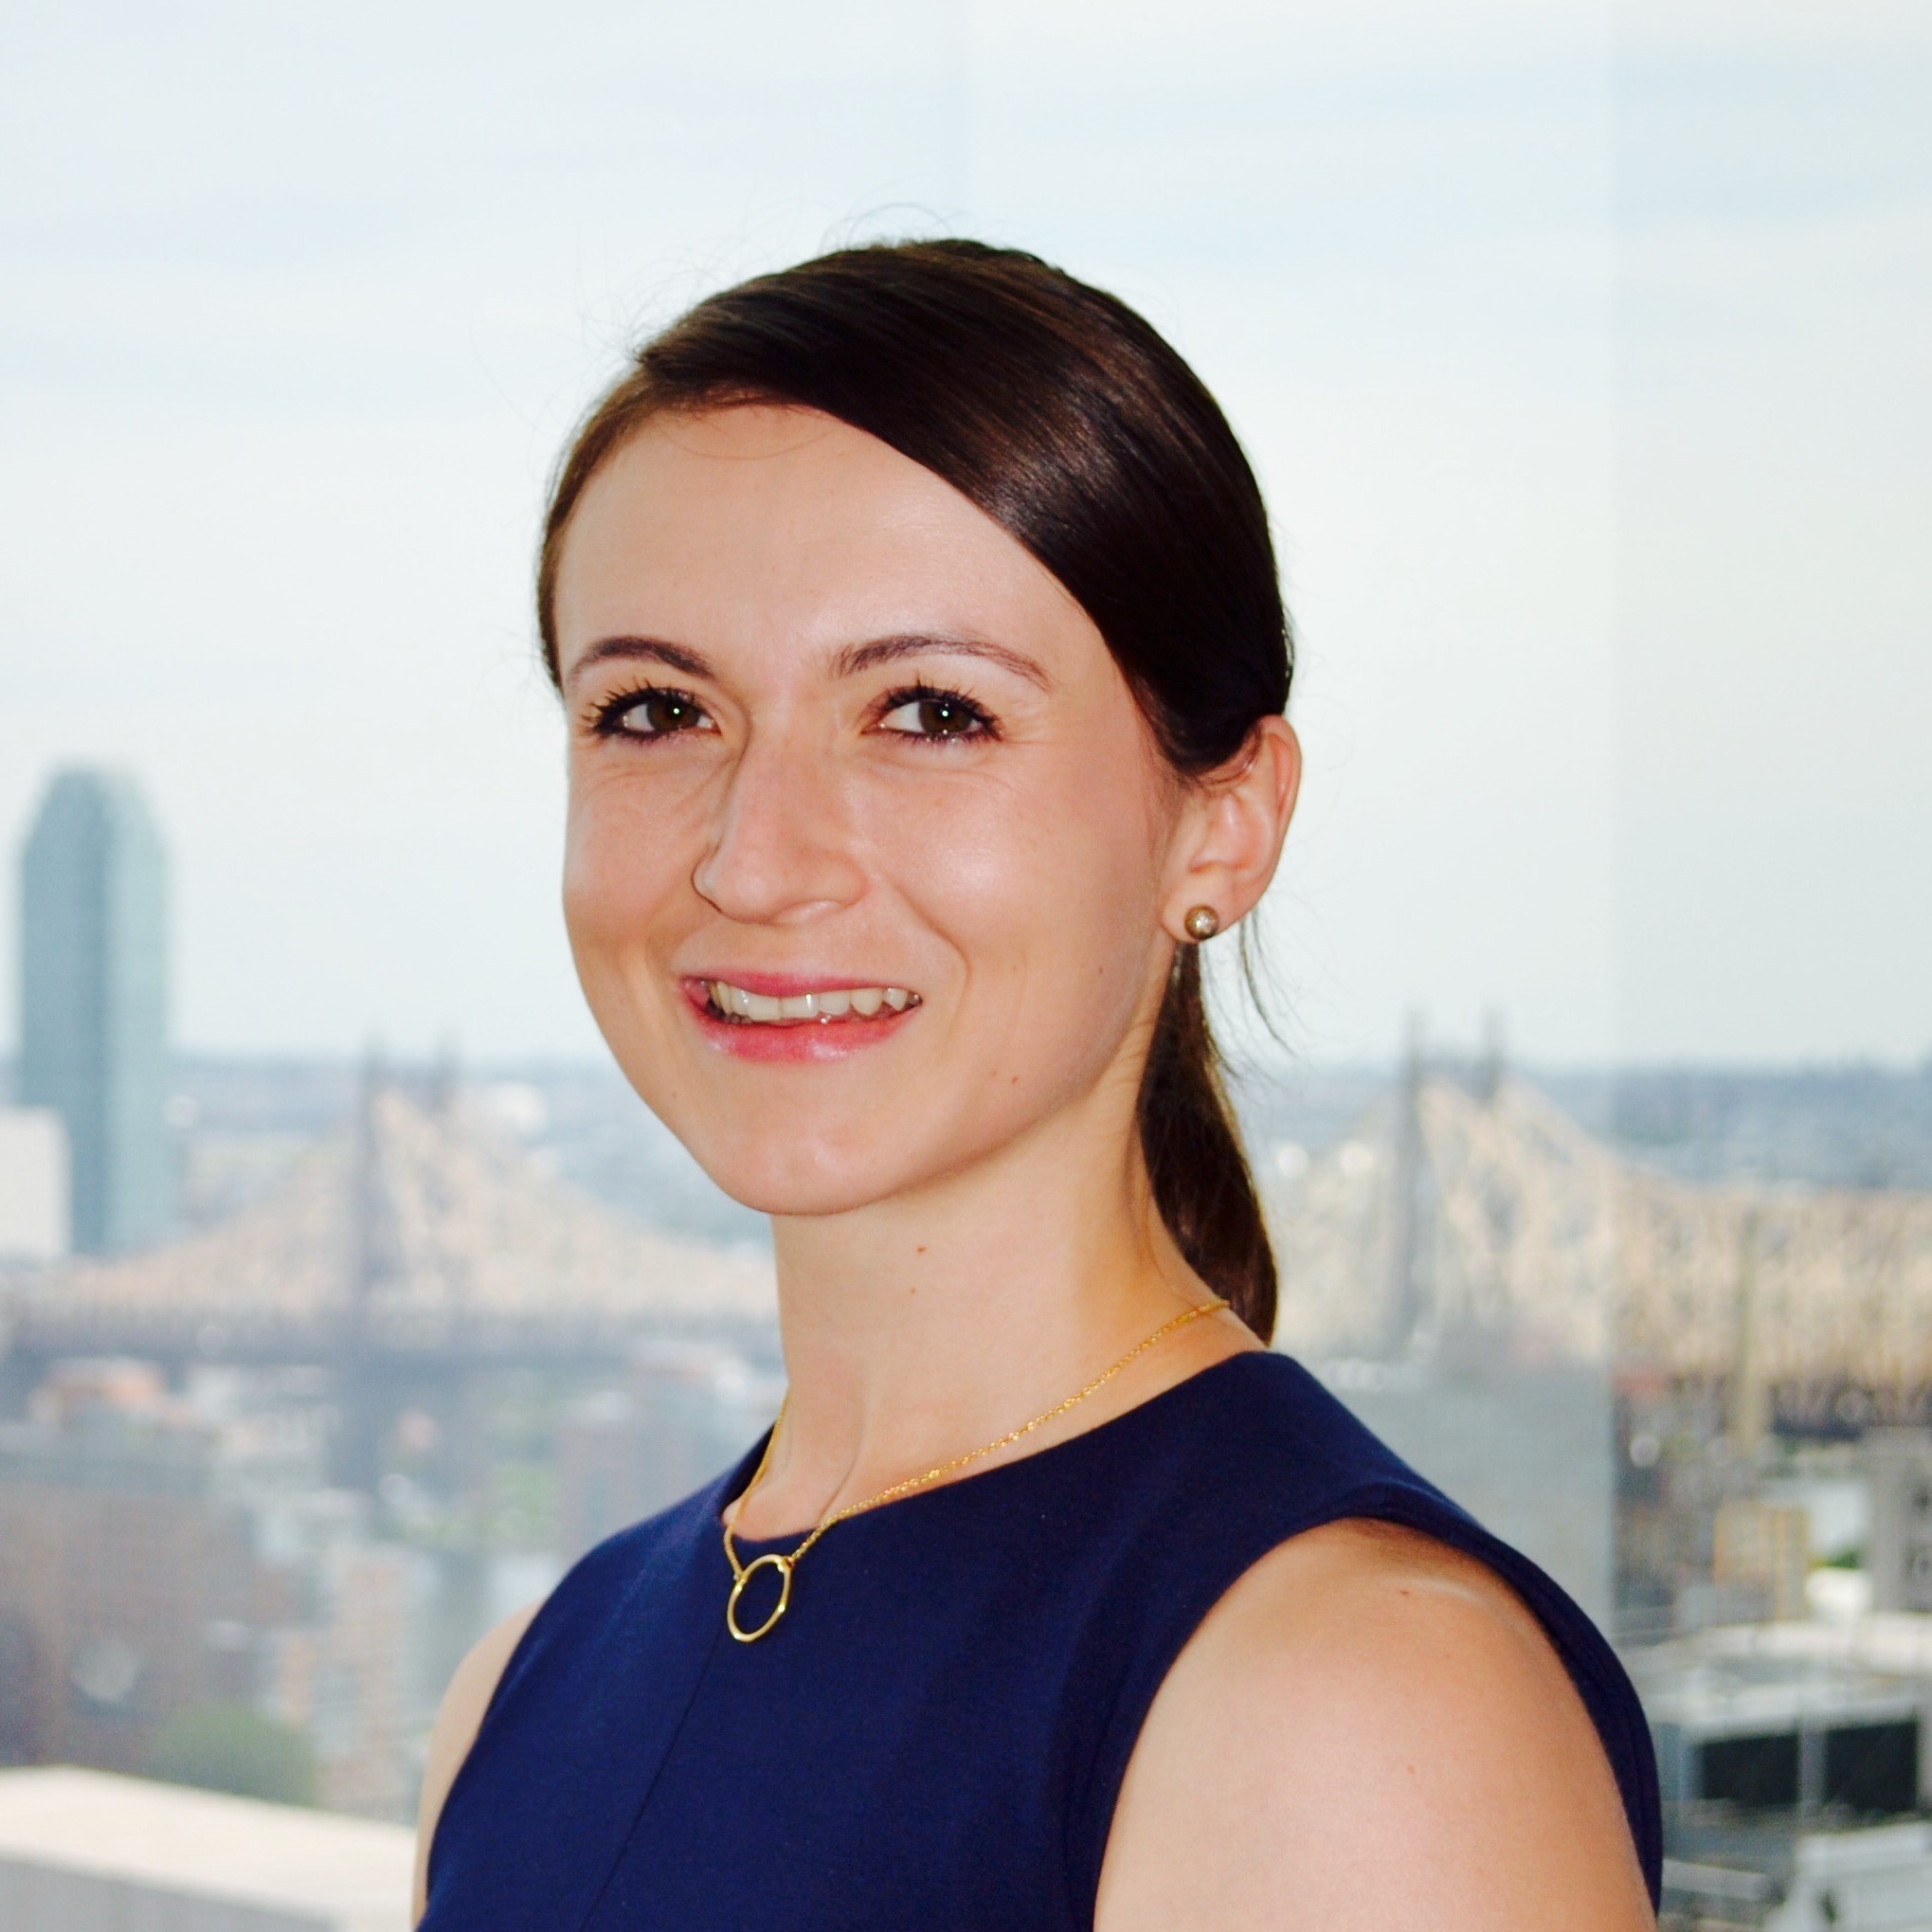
(731, 1485)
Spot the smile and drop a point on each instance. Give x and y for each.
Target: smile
(828, 1006)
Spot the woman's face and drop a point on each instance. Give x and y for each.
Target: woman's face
(869, 846)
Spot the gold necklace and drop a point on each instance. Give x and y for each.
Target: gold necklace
(743, 1573)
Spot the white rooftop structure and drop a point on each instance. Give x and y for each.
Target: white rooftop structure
(88, 1848)
(1880, 1880)
(1748, 1678)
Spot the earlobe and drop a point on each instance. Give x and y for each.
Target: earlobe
(1237, 843)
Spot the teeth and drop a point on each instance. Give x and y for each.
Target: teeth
(866, 1002)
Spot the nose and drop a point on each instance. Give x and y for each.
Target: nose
(781, 852)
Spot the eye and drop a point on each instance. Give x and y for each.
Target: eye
(655, 714)
(928, 713)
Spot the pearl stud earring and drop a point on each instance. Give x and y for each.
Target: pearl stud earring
(1202, 922)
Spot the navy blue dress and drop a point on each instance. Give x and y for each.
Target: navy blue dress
(935, 1734)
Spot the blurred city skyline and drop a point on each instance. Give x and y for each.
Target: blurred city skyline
(1577, 349)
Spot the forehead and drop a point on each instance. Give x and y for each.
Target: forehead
(759, 526)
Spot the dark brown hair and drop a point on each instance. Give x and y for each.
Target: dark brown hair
(1061, 414)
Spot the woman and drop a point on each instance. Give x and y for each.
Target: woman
(919, 632)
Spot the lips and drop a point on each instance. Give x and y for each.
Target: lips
(780, 1019)
(822, 1005)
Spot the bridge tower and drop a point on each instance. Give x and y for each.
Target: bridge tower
(1403, 1291)
(359, 1391)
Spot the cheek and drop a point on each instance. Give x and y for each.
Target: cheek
(1047, 891)
(620, 873)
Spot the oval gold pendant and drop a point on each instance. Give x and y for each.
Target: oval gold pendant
(783, 1565)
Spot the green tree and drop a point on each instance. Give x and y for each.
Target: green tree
(230, 1747)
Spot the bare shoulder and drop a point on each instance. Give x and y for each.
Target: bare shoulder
(1369, 1730)
(458, 1719)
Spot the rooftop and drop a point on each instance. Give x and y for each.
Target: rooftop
(1742, 1678)
(117, 1834)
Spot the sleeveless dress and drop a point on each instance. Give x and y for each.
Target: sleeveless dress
(936, 1733)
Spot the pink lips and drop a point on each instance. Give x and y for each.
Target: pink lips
(807, 1041)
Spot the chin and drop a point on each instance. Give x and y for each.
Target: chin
(790, 1139)
(790, 1175)
(800, 1140)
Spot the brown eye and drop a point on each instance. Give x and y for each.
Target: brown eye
(655, 715)
(935, 716)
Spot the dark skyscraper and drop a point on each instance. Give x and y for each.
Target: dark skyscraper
(93, 1002)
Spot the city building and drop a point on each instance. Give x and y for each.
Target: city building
(1525, 1449)
(1794, 1772)
(1764, 1547)
(1899, 1470)
(35, 1212)
(399, 1321)
(94, 1003)
(690, 1410)
(1878, 1878)
(168, 1571)
(338, 1676)
(87, 1848)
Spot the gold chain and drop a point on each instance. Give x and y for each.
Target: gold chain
(743, 1573)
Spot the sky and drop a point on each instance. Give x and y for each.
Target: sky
(1579, 348)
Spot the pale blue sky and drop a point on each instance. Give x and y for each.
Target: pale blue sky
(1581, 357)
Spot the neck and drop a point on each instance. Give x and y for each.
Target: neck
(919, 1329)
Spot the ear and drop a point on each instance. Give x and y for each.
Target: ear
(1228, 841)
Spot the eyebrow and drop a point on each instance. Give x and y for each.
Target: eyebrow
(848, 663)
(679, 657)
(856, 657)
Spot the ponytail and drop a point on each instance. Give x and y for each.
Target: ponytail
(1193, 1149)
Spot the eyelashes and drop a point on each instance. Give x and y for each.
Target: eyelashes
(667, 713)
(932, 713)
(938, 715)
